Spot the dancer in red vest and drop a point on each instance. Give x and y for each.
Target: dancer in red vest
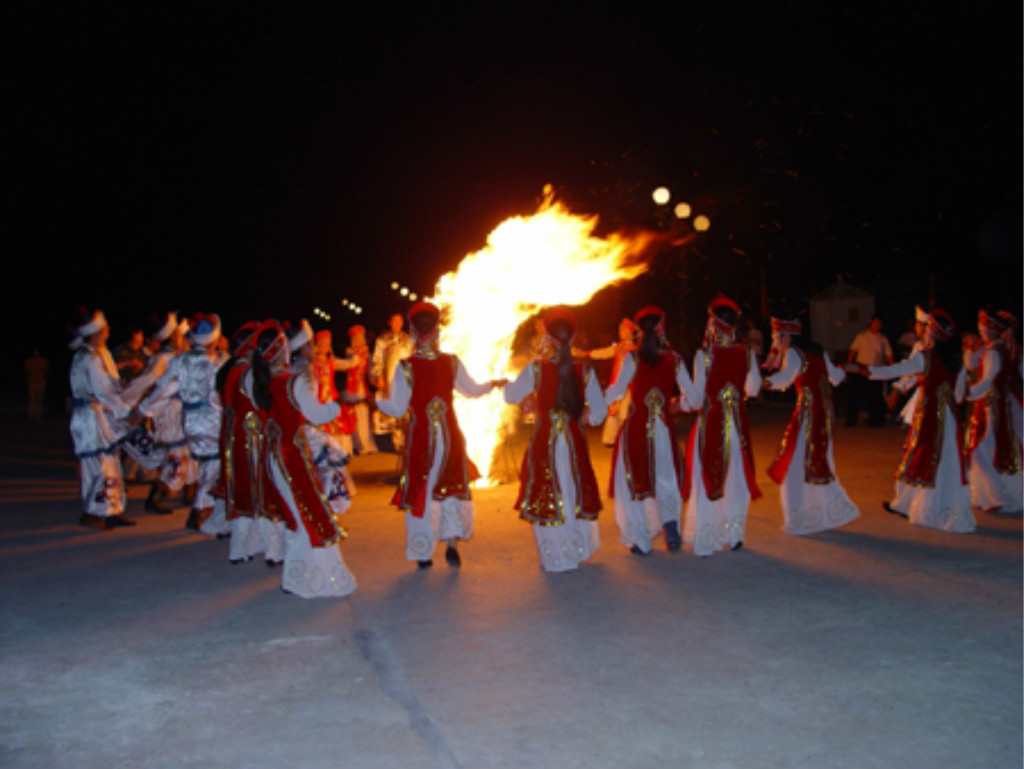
(328, 453)
(313, 566)
(253, 507)
(647, 464)
(812, 497)
(1016, 372)
(558, 493)
(720, 474)
(994, 451)
(931, 487)
(436, 474)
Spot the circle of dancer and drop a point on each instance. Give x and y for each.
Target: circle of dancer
(255, 433)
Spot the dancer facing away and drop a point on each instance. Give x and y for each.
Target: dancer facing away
(436, 474)
(558, 492)
(994, 450)
(328, 454)
(812, 497)
(243, 450)
(720, 459)
(931, 487)
(647, 464)
(313, 566)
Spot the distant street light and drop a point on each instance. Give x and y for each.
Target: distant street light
(683, 210)
(661, 195)
(394, 286)
(412, 297)
(701, 223)
(403, 291)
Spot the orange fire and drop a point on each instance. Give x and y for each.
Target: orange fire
(529, 263)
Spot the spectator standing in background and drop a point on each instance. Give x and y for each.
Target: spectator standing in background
(870, 348)
(36, 368)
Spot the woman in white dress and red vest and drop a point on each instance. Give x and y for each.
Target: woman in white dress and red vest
(994, 450)
(720, 473)
(647, 465)
(254, 510)
(811, 495)
(329, 455)
(436, 473)
(313, 566)
(1016, 371)
(931, 485)
(558, 493)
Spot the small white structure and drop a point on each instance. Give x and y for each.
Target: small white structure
(838, 314)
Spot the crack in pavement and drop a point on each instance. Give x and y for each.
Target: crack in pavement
(396, 684)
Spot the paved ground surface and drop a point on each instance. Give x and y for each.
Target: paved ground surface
(879, 645)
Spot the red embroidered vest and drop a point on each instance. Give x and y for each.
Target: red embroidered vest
(992, 413)
(432, 382)
(923, 449)
(540, 499)
(813, 411)
(242, 431)
(650, 392)
(286, 443)
(723, 409)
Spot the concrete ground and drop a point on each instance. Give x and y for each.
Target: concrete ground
(878, 645)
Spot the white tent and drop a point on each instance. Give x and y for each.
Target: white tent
(838, 314)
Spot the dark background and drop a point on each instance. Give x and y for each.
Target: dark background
(260, 164)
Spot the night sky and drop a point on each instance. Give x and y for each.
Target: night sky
(261, 165)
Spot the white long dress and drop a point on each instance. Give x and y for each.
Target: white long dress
(309, 572)
(710, 526)
(563, 547)
(947, 505)
(96, 429)
(990, 489)
(639, 521)
(451, 517)
(810, 507)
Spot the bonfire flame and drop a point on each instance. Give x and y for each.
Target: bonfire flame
(529, 263)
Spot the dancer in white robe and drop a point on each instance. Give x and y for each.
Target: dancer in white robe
(994, 449)
(558, 492)
(812, 498)
(647, 468)
(931, 487)
(96, 424)
(720, 464)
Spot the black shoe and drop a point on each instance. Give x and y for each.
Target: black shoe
(94, 521)
(737, 546)
(672, 539)
(193, 520)
(237, 561)
(119, 520)
(635, 550)
(424, 564)
(890, 509)
(153, 501)
(451, 555)
(273, 564)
